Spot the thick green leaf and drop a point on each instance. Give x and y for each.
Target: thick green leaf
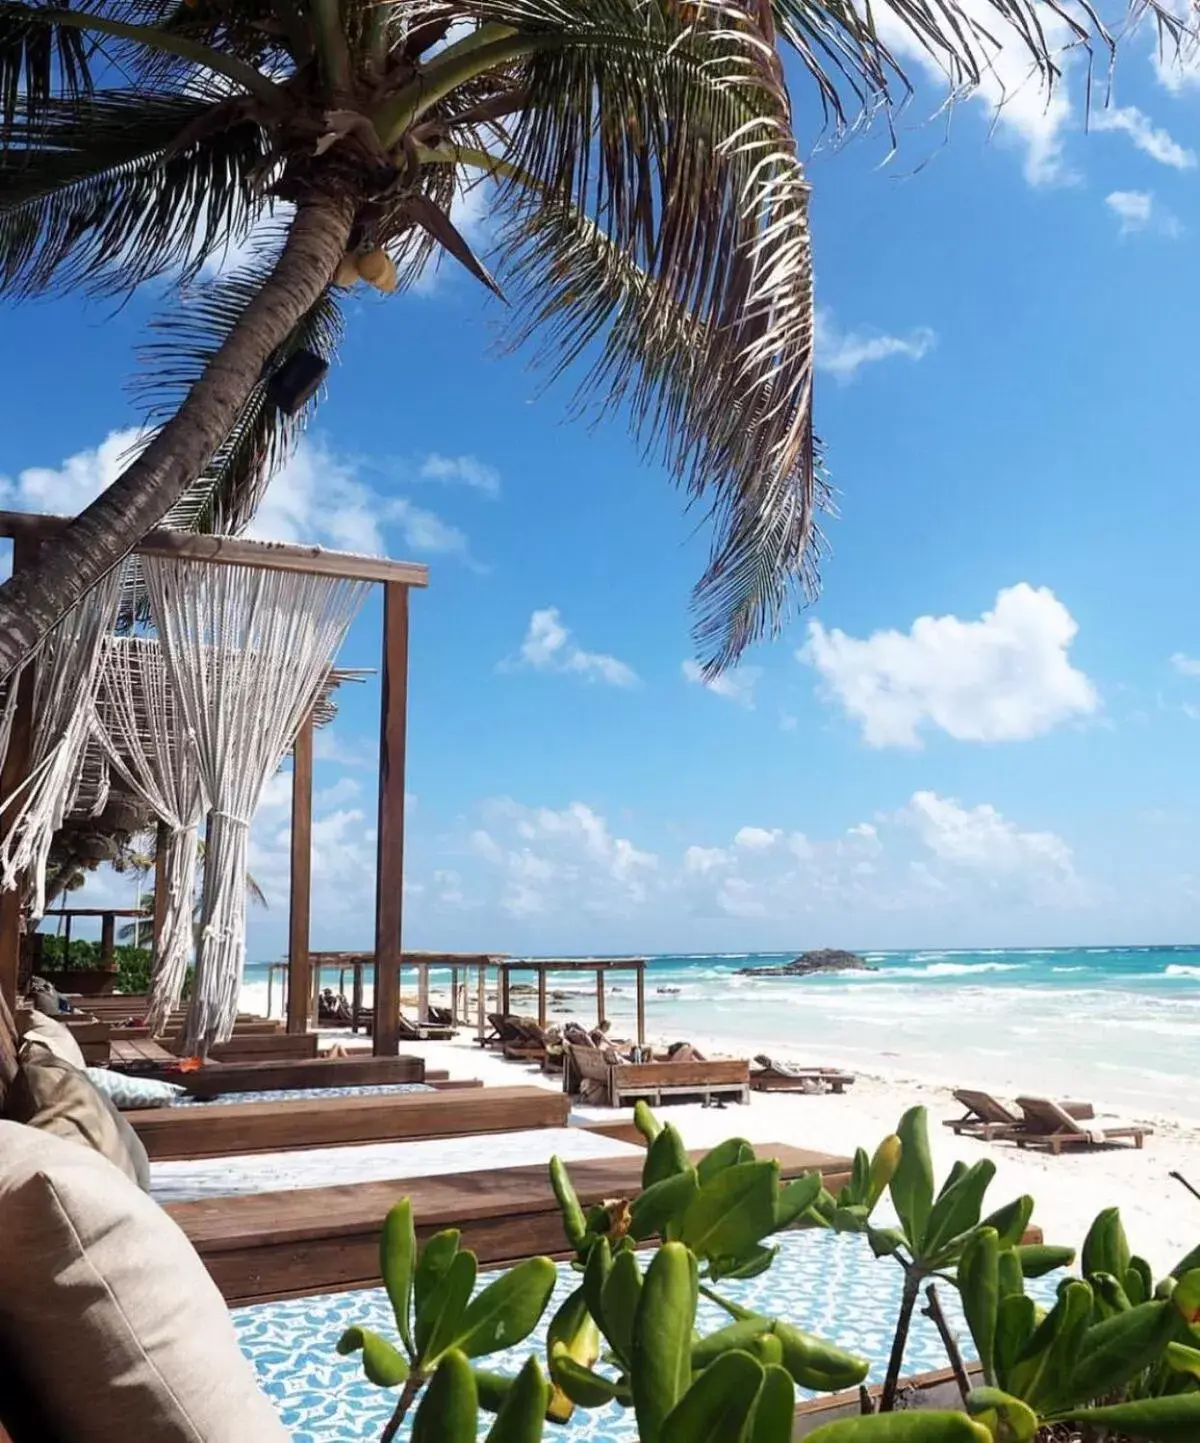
(492, 1388)
(652, 1210)
(1049, 1384)
(432, 1267)
(397, 1262)
(1111, 1297)
(574, 1222)
(979, 1286)
(645, 1121)
(569, 1317)
(1038, 1259)
(508, 1310)
(439, 1322)
(957, 1210)
(724, 1340)
(1118, 1349)
(619, 1306)
(733, 1211)
(1105, 1249)
(523, 1411)
(795, 1198)
(755, 1263)
(1007, 1418)
(958, 1170)
(595, 1275)
(1183, 1359)
(1011, 1221)
(1012, 1278)
(816, 1364)
(769, 1351)
(1138, 1281)
(449, 1411)
(1186, 1297)
(886, 1241)
(1016, 1320)
(662, 1338)
(717, 1406)
(383, 1364)
(725, 1154)
(665, 1157)
(915, 1427)
(883, 1168)
(583, 1387)
(912, 1182)
(1165, 1420)
(774, 1409)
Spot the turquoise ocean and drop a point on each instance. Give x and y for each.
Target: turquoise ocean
(1118, 1025)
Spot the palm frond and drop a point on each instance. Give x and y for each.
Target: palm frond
(39, 65)
(120, 187)
(188, 334)
(668, 127)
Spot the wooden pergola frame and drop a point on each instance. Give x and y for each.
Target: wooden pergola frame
(599, 966)
(29, 532)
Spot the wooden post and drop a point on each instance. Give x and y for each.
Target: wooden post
(454, 996)
(162, 838)
(108, 934)
(356, 1004)
(422, 992)
(541, 974)
(641, 1004)
(481, 1004)
(389, 866)
(300, 982)
(15, 771)
(504, 991)
(599, 996)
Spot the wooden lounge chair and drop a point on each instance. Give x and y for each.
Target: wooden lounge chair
(771, 1076)
(985, 1117)
(625, 1082)
(1046, 1123)
(422, 1032)
(527, 1042)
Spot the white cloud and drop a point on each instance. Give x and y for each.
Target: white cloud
(549, 646)
(1185, 665)
(1152, 140)
(1178, 70)
(706, 859)
(1011, 89)
(1005, 677)
(982, 840)
(319, 498)
(842, 353)
(65, 491)
(736, 686)
(1137, 210)
(756, 839)
(468, 470)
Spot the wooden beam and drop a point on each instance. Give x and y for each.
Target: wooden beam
(389, 866)
(600, 997)
(300, 981)
(108, 937)
(237, 551)
(541, 995)
(641, 1006)
(162, 837)
(13, 773)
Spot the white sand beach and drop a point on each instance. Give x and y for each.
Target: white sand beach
(1161, 1218)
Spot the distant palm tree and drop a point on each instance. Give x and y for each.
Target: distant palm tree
(142, 859)
(641, 163)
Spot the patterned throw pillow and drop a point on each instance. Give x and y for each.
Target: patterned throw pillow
(130, 1092)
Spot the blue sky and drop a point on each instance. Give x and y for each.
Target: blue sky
(985, 731)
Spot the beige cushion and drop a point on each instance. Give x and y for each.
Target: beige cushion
(54, 1035)
(52, 1096)
(109, 1311)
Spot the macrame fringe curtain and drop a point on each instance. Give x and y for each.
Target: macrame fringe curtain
(247, 652)
(141, 727)
(64, 679)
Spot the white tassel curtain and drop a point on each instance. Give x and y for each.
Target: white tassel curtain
(64, 678)
(140, 725)
(247, 652)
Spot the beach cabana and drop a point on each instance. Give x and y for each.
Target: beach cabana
(235, 620)
(599, 968)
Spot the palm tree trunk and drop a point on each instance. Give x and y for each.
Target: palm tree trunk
(107, 531)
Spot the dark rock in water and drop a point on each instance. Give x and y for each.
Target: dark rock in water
(827, 959)
(667, 991)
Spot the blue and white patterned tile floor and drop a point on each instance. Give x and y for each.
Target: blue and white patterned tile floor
(827, 1283)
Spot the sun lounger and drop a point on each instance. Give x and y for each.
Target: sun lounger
(985, 1117)
(772, 1076)
(422, 1032)
(1046, 1123)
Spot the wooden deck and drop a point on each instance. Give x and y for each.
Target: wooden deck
(322, 1240)
(198, 1132)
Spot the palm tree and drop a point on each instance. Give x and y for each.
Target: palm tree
(640, 162)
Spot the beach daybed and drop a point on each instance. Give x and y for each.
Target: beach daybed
(269, 1127)
(771, 1076)
(1046, 1123)
(275, 1245)
(299, 1072)
(618, 1082)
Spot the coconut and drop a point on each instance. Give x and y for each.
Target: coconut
(379, 270)
(347, 272)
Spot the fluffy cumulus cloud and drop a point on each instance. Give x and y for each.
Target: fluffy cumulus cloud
(844, 353)
(1150, 139)
(1138, 210)
(461, 470)
(1004, 677)
(540, 861)
(735, 686)
(66, 489)
(1185, 665)
(981, 840)
(550, 646)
